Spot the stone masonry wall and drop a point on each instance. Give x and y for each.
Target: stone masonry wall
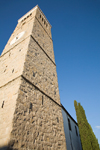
(30, 113)
(12, 62)
(8, 96)
(37, 122)
(43, 21)
(41, 36)
(41, 71)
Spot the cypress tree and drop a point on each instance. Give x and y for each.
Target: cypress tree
(88, 139)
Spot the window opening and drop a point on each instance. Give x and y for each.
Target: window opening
(33, 74)
(57, 119)
(76, 131)
(69, 124)
(12, 70)
(2, 104)
(42, 100)
(30, 107)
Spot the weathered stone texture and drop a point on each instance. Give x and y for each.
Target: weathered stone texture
(37, 122)
(44, 22)
(12, 63)
(30, 103)
(41, 71)
(42, 37)
(8, 96)
(27, 25)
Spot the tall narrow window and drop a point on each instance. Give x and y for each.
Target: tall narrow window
(76, 131)
(69, 124)
(2, 104)
(42, 100)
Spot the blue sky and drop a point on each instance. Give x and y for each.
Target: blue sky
(76, 41)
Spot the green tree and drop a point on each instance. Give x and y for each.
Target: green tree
(88, 138)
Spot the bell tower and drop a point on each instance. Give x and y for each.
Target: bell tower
(30, 109)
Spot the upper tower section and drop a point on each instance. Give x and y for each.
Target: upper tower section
(41, 31)
(29, 52)
(36, 11)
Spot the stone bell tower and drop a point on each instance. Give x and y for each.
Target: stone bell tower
(30, 109)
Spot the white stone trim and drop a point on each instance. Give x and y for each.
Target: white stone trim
(17, 37)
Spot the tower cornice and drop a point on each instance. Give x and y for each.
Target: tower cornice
(30, 12)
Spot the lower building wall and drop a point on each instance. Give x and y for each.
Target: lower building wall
(72, 138)
(8, 96)
(37, 122)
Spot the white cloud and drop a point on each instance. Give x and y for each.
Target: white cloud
(98, 127)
